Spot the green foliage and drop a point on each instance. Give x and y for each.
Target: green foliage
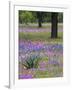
(60, 17)
(32, 17)
(46, 16)
(25, 17)
(32, 62)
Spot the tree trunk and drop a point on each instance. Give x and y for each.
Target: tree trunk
(39, 16)
(54, 27)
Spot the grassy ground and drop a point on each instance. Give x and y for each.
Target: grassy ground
(43, 36)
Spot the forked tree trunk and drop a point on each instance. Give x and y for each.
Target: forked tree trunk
(54, 27)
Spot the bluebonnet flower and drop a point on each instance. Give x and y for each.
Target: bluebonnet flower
(26, 76)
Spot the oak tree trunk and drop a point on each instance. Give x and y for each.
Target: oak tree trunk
(54, 27)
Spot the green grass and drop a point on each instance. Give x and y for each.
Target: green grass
(42, 74)
(46, 74)
(42, 36)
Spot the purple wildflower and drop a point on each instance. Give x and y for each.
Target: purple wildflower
(27, 76)
(53, 62)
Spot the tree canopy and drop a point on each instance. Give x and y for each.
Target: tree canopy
(35, 16)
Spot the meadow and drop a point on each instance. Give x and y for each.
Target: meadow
(40, 56)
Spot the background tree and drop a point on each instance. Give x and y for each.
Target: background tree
(36, 17)
(39, 16)
(25, 17)
(60, 17)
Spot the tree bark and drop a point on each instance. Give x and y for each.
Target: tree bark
(54, 27)
(39, 16)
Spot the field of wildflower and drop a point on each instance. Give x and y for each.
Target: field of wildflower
(39, 55)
